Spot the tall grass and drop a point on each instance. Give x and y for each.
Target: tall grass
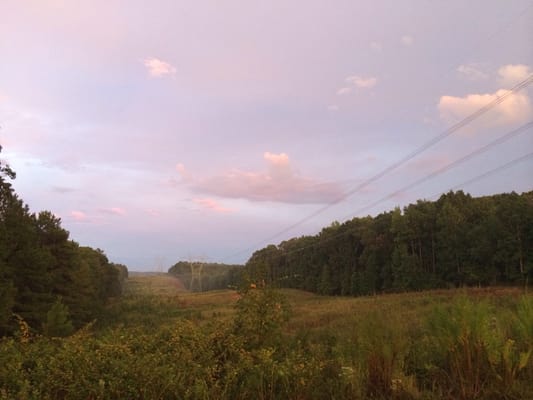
(470, 350)
(423, 346)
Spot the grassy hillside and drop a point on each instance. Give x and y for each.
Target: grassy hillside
(161, 342)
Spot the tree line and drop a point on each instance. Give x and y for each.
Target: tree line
(213, 275)
(47, 280)
(455, 241)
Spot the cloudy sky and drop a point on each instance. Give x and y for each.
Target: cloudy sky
(170, 130)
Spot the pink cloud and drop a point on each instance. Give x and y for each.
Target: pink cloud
(279, 183)
(152, 212)
(78, 215)
(211, 205)
(184, 173)
(158, 68)
(180, 168)
(113, 211)
(118, 211)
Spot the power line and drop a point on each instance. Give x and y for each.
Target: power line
(472, 180)
(454, 128)
(451, 165)
(480, 43)
(491, 172)
(437, 139)
(472, 154)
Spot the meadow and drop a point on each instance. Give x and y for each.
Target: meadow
(159, 341)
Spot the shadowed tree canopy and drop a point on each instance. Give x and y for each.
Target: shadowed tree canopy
(455, 241)
(39, 264)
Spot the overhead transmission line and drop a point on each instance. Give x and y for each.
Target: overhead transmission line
(454, 128)
(365, 183)
(449, 166)
(490, 172)
(479, 44)
(472, 180)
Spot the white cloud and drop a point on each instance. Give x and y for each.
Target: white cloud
(510, 75)
(279, 183)
(362, 82)
(343, 91)
(158, 68)
(472, 72)
(333, 107)
(407, 40)
(277, 160)
(516, 108)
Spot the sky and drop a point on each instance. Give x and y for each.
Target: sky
(168, 130)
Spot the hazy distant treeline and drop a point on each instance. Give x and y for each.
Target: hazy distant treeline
(457, 240)
(209, 276)
(46, 279)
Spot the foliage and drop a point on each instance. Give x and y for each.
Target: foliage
(215, 345)
(39, 263)
(260, 314)
(455, 241)
(58, 322)
(468, 351)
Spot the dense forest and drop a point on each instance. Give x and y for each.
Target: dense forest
(208, 276)
(455, 241)
(47, 280)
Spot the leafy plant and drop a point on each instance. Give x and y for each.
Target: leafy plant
(260, 314)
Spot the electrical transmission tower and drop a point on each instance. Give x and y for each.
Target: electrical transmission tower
(159, 262)
(196, 274)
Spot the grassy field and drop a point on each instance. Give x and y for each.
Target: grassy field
(160, 341)
(310, 312)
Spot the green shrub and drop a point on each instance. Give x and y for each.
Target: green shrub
(468, 351)
(261, 313)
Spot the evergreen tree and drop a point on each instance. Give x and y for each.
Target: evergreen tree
(58, 323)
(38, 263)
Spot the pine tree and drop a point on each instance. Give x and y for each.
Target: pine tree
(58, 323)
